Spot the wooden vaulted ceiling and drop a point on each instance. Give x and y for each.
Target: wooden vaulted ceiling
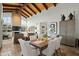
(27, 9)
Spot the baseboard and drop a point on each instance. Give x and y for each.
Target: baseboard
(67, 45)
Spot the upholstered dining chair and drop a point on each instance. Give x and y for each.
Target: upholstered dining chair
(58, 40)
(26, 50)
(50, 50)
(33, 37)
(58, 44)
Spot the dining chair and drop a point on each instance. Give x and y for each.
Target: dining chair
(58, 44)
(26, 50)
(33, 37)
(58, 40)
(50, 50)
(25, 34)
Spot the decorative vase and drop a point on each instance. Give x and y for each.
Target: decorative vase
(70, 16)
(63, 17)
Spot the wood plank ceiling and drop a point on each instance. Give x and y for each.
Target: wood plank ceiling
(27, 9)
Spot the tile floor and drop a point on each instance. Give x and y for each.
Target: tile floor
(10, 49)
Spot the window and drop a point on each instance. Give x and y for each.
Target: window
(7, 18)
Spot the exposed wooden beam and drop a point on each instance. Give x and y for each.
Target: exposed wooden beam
(31, 9)
(9, 9)
(11, 5)
(27, 11)
(36, 7)
(24, 13)
(23, 8)
(45, 6)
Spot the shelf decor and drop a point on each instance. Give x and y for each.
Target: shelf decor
(70, 16)
(63, 17)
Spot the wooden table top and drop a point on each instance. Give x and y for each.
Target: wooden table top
(39, 43)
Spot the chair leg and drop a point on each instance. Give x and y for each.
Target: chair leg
(57, 52)
(54, 54)
(21, 54)
(60, 51)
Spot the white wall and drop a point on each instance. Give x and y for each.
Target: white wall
(77, 25)
(0, 25)
(53, 14)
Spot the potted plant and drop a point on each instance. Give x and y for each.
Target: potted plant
(45, 37)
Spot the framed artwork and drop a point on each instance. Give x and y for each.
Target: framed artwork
(52, 28)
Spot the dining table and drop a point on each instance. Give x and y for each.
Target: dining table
(40, 44)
